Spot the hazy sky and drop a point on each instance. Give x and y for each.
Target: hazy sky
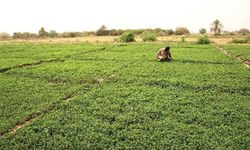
(82, 15)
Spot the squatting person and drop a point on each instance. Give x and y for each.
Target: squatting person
(164, 54)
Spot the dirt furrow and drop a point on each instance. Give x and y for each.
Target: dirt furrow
(2, 70)
(244, 62)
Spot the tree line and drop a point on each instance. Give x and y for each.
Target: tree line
(215, 29)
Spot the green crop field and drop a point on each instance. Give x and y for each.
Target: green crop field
(118, 96)
(242, 51)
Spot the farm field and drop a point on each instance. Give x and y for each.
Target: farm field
(242, 51)
(118, 96)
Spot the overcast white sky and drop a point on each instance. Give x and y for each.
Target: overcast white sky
(82, 15)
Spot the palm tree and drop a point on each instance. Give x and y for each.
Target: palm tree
(216, 27)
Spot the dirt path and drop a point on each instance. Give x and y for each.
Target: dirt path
(2, 70)
(244, 62)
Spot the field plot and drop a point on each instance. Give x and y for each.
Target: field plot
(117, 96)
(242, 51)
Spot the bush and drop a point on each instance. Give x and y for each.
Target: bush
(4, 35)
(148, 36)
(181, 31)
(203, 40)
(244, 31)
(203, 31)
(127, 37)
(170, 31)
(241, 41)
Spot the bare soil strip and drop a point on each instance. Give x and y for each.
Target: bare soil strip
(23, 123)
(2, 70)
(244, 62)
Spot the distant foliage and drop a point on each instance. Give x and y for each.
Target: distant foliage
(115, 32)
(127, 37)
(162, 32)
(203, 40)
(24, 35)
(135, 31)
(203, 31)
(102, 31)
(170, 31)
(181, 31)
(42, 32)
(4, 35)
(243, 31)
(70, 34)
(216, 27)
(53, 33)
(229, 33)
(148, 36)
(241, 41)
(88, 33)
(159, 32)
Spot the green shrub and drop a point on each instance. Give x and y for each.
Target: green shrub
(148, 36)
(127, 37)
(241, 41)
(183, 39)
(203, 40)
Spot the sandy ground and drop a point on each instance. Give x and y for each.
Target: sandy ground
(111, 39)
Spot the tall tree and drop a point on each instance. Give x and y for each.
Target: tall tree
(42, 32)
(216, 27)
(102, 31)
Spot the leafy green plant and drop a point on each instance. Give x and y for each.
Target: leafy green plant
(241, 41)
(203, 40)
(118, 96)
(127, 37)
(148, 36)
